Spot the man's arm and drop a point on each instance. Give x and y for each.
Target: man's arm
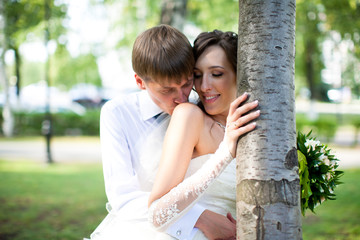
(216, 226)
(121, 184)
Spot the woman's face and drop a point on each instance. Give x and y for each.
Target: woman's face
(215, 81)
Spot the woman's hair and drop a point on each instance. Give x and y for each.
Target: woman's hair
(162, 53)
(226, 40)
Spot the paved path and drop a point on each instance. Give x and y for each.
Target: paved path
(66, 149)
(349, 157)
(78, 149)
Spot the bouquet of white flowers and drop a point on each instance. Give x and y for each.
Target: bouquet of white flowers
(317, 171)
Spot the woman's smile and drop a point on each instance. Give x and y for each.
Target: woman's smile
(210, 98)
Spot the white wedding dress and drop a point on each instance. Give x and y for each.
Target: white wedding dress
(219, 195)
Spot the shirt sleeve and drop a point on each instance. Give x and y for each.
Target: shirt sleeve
(183, 228)
(121, 183)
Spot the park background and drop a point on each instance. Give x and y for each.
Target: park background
(61, 60)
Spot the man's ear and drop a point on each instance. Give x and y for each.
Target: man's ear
(140, 82)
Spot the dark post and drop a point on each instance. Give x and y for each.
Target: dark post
(47, 123)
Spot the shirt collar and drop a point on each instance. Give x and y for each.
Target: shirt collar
(148, 108)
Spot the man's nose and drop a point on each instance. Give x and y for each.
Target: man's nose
(181, 98)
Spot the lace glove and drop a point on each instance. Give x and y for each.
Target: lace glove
(181, 198)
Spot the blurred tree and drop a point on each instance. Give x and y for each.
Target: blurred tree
(134, 16)
(315, 21)
(21, 18)
(214, 14)
(351, 76)
(73, 70)
(25, 16)
(47, 124)
(173, 13)
(310, 34)
(8, 120)
(344, 18)
(31, 72)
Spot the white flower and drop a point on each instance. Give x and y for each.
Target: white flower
(326, 161)
(322, 157)
(333, 161)
(312, 143)
(328, 176)
(322, 150)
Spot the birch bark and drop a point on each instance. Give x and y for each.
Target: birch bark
(8, 119)
(268, 190)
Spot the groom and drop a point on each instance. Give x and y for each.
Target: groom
(163, 63)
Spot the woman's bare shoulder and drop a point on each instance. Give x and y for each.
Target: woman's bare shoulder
(188, 110)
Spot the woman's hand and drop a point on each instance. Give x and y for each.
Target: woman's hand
(238, 121)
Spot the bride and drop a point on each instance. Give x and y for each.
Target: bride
(200, 142)
(195, 156)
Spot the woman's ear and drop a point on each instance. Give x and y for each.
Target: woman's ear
(140, 82)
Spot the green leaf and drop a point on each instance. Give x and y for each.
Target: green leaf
(317, 178)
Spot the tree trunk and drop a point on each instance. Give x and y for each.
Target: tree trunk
(309, 68)
(8, 119)
(173, 13)
(47, 123)
(17, 70)
(268, 190)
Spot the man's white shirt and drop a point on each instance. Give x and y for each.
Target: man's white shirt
(124, 120)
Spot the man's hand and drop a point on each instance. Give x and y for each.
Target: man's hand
(216, 226)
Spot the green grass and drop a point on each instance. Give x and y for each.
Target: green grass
(340, 218)
(66, 201)
(54, 138)
(60, 201)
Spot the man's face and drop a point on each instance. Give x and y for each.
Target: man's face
(168, 94)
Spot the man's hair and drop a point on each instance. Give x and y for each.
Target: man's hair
(162, 53)
(226, 40)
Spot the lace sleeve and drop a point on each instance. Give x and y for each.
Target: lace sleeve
(181, 198)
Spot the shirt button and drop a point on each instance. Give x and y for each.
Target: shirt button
(178, 232)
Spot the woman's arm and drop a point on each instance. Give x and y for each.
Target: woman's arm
(174, 196)
(180, 140)
(182, 197)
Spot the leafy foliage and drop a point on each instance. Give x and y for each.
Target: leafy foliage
(315, 21)
(309, 37)
(206, 15)
(317, 170)
(24, 21)
(214, 14)
(23, 17)
(68, 71)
